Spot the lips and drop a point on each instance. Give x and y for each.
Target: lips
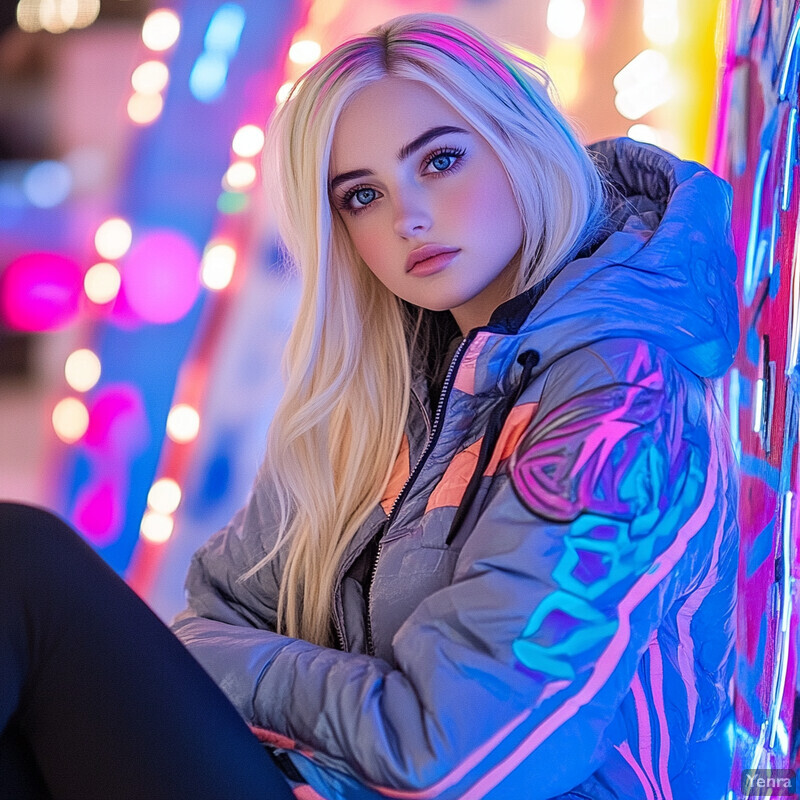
(430, 258)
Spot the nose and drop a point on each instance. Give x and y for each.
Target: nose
(412, 215)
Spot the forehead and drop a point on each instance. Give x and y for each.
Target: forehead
(382, 117)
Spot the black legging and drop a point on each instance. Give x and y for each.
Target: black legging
(98, 699)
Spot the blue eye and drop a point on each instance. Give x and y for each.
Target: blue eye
(364, 196)
(357, 199)
(442, 162)
(444, 159)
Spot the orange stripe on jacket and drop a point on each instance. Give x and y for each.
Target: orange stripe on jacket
(450, 489)
(465, 377)
(399, 476)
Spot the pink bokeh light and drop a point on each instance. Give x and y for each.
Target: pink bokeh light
(118, 431)
(40, 292)
(160, 276)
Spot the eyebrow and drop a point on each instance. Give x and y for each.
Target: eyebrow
(402, 154)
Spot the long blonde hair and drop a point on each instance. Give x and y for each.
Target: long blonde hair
(337, 431)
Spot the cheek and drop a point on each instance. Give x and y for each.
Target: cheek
(366, 240)
(488, 208)
(371, 242)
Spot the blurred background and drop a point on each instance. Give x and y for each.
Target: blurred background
(142, 307)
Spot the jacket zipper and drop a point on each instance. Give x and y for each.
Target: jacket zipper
(434, 435)
(339, 632)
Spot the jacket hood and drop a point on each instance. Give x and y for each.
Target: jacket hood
(663, 269)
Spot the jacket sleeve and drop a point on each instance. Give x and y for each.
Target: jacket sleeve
(214, 588)
(594, 526)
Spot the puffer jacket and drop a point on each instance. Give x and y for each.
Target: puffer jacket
(551, 576)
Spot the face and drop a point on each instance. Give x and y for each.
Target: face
(425, 200)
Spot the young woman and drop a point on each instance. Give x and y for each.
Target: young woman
(492, 551)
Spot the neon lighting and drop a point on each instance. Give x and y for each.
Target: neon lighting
(758, 405)
(784, 618)
(788, 167)
(793, 334)
(734, 400)
(788, 58)
(750, 275)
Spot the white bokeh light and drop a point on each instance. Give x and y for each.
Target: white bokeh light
(102, 282)
(248, 141)
(565, 18)
(82, 369)
(218, 264)
(305, 52)
(151, 77)
(70, 419)
(183, 423)
(113, 238)
(156, 528)
(164, 496)
(161, 29)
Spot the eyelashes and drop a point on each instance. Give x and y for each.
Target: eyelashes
(443, 160)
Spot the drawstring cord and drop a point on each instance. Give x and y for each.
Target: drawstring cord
(528, 359)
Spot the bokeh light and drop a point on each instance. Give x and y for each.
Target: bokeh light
(208, 76)
(98, 512)
(101, 282)
(47, 184)
(305, 52)
(145, 108)
(565, 61)
(40, 292)
(113, 238)
(160, 276)
(161, 29)
(151, 77)
(156, 528)
(240, 175)
(565, 18)
(56, 16)
(183, 423)
(164, 496)
(118, 422)
(643, 84)
(661, 21)
(283, 93)
(248, 141)
(82, 369)
(28, 15)
(232, 202)
(218, 264)
(225, 30)
(70, 419)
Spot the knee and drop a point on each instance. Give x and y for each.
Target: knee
(32, 538)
